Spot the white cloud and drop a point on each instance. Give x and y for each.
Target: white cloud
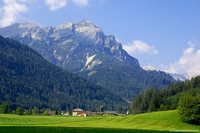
(141, 47)
(188, 63)
(149, 68)
(10, 11)
(55, 4)
(81, 2)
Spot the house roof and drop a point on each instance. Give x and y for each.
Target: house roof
(110, 112)
(77, 110)
(51, 112)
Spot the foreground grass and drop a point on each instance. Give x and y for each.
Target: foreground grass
(37, 129)
(166, 121)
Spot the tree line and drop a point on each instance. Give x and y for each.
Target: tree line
(173, 97)
(6, 109)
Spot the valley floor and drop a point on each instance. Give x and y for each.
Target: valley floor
(165, 121)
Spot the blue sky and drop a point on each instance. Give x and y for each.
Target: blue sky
(164, 34)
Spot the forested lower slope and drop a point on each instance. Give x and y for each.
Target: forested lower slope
(166, 99)
(27, 80)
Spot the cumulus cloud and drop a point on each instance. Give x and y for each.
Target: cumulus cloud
(11, 10)
(140, 47)
(188, 63)
(55, 4)
(81, 2)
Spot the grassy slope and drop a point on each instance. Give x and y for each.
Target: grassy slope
(166, 120)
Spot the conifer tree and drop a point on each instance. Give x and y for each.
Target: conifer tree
(119, 109)
(154, 101)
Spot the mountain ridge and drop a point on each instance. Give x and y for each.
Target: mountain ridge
(84, 30)
(177, 77)
(84, 49)
(28, 80)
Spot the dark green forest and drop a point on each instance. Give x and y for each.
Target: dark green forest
(28, 80)
(127, 81)
(165, 99)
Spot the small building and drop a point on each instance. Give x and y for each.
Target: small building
(78, 112)
(94, 113)
(110, 113)
(50, 112)
(66, 114)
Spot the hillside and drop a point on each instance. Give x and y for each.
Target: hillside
(28, 80)
(166, 99)
(84, 49)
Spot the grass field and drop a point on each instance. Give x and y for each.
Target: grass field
(166, 121)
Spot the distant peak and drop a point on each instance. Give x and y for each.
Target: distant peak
(65, 25)
(84, 23)
(28, 25)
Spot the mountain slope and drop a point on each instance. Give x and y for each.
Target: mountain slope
(84, 49)
(167, 99)
(28, 80)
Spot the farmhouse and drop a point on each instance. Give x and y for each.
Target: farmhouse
(50, 112)
(110, 113)
(78, 112)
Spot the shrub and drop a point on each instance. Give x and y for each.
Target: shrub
(5, 108)
(19, 111)
(189, 109)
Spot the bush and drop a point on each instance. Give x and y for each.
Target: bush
(19, 111)
(5, 108)
(189, 109)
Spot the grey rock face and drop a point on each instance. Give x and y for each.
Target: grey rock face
(70, 44)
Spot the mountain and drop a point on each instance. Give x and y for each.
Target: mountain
(177, 77)
(84, 49)
(181, 77)
(28, 80)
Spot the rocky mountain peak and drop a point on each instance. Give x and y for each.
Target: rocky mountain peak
(28, 25)
(68, 42)
(84, 23)
(68, 25)
(88, 28)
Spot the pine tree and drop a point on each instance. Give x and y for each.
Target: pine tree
(145, 101)
(135, 106)
(154, 101)
(119, 109)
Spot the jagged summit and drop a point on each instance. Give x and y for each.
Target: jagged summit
(86, 30)
(69, 41)
(64, 26)
(84, 23)
(28, 25)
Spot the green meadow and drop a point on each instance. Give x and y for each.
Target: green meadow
(164, 122)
